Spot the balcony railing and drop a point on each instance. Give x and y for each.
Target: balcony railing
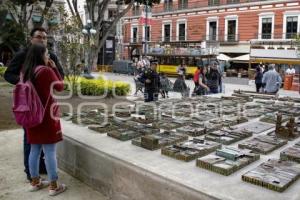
(164, 39)
(224, 39)
(193, 5)
(232, 37)
(168, 7)
(275, 36)
(165, 47)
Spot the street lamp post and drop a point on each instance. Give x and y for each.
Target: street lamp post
(146, 29)
(89, 32)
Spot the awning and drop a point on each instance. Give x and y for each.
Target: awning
(240, 48)
(276, 61)
(243, 58)
(36, 18)
(274, 53)
(275, 56)
(223, 57)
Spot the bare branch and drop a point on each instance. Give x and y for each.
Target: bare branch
(30, 14)
(70, 7)
(100, 4)
(101, 14)
(77, 13)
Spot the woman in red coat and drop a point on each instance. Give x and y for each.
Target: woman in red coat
(45, 78)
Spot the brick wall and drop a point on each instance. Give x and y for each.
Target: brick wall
(248, 21)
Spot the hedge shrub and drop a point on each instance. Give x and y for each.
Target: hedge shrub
(97, 87)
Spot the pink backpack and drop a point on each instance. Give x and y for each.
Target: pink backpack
(27, 106)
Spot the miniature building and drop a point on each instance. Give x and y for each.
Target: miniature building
(285, 131)
(227, 160)
(274, 174)
(191, 149)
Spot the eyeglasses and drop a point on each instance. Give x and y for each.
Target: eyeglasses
(40, 37)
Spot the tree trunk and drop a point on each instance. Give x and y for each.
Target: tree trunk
(111, 28)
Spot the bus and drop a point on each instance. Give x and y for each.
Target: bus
(191, 53)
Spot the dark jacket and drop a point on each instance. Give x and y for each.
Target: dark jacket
(258, 77)
(12, 74)
(154, 85)
(214, 79)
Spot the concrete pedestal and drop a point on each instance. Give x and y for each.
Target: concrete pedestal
(123, 171)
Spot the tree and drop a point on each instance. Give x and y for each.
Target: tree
(69, 47)
(96, 10)
(12, 36)
(18, 10)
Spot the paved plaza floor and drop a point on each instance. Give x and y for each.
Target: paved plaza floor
(231, 84)
(13, 185)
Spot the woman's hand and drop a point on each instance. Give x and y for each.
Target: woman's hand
(51, 63)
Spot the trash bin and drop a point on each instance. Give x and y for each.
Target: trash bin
(288, 81)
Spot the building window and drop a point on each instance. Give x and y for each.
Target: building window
(212, 34)
(266, 28)
(136, 10)
(147, 33)
(213, 2)
(181, 31)
(266, 25)
(134, 34)
(168, 5)
(182, 4)
(232, 30)
(291, 26)
(167, 32)
(233, 1)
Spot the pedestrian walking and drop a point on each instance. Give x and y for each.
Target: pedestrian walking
(214, 80)
(165, 85)
(196, 76)
(202, 88)
(271, 80)
(258, 79)
(181, 69)
(181, 87)
(152, 83)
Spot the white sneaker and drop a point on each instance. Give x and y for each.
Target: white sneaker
(60, 189)
(42, 184)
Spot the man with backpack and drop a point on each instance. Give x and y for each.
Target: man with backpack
(12, 75)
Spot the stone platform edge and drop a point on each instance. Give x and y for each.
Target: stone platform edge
(117, 178)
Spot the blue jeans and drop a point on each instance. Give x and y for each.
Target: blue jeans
(26, 150)
(50, 160)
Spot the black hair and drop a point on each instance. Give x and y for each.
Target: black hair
(41, 29)
(34, 58)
